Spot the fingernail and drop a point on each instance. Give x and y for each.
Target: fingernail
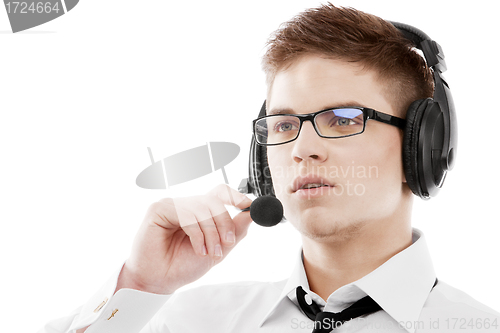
(218, 251)
(230, 237)
(204, 250)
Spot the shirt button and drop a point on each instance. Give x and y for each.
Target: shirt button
(99, 307)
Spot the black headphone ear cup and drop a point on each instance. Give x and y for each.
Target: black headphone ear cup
(410, 144)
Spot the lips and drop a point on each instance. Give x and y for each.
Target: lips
(309, 182)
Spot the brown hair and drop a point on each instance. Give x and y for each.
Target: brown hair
(354, 36)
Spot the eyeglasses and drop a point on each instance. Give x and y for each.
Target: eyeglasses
(330, 123)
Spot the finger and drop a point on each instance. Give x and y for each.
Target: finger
(230, 196)
(226, 227)
(223, 222)
(212, 237)
(189, 224)
(163, 213)
(240, 223)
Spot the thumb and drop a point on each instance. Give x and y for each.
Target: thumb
(230, 196)
(241, 223)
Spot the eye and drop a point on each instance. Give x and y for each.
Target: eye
(285, 127)
(345, 122)
(342, 122)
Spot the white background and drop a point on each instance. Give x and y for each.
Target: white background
(83, 96)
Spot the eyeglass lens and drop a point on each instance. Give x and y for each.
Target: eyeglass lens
(331, 123)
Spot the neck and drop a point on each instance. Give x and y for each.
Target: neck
(330, 265)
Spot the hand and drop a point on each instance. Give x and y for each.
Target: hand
(181, 239)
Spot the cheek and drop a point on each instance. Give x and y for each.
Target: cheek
(386, 159)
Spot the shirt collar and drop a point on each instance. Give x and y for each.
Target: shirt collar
(400, 286)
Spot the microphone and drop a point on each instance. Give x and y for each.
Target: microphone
(266, 211)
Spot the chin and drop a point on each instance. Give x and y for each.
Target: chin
(320, 225)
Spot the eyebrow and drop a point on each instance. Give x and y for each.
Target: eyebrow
(330, 106)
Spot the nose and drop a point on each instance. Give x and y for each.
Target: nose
(309, 146)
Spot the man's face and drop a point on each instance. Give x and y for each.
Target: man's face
(364, 172)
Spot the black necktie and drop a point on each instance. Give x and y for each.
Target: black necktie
(325, 322)
(364, 306)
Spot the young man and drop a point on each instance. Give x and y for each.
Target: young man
(358, 243)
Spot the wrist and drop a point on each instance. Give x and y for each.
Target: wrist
(127, 279)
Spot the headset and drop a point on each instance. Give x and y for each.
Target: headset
(429, 140)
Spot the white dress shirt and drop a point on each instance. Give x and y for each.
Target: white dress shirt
(402, 286)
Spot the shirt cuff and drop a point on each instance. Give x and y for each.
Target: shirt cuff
(128, 310)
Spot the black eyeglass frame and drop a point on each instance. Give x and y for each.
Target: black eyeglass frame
(367, 114)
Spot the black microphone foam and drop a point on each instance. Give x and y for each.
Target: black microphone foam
(266, 211)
